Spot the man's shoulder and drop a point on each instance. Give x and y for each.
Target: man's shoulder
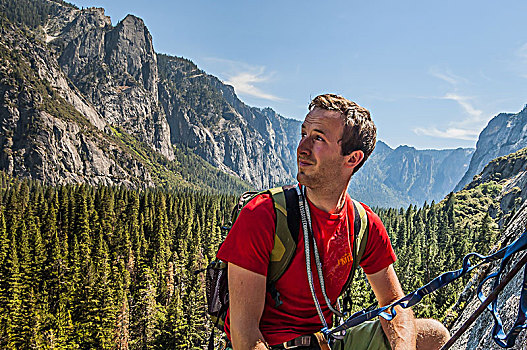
(364, 205)
(373, 219)
(261, 202)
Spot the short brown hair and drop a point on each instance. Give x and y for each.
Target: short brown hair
(359, 133)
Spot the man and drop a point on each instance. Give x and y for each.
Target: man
(337, 138)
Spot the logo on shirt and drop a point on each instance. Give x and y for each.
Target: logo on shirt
(345, 260)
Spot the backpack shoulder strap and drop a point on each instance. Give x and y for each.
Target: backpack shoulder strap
(285, 202)
(360, 238)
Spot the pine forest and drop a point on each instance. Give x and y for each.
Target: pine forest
(112, 268)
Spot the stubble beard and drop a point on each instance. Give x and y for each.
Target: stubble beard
(311, 181)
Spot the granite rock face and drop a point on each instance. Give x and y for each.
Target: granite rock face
(510, 212)
(116, 69)
(207, 116)
(506, 133)
(48, 129)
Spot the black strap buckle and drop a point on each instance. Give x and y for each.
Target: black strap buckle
(303, 341)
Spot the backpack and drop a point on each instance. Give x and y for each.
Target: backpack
(285, 203)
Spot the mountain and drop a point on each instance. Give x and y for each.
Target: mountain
(109, 77)
(403, 176)
(50, 131)
(505, 133)
(111, 110)
(163, 100)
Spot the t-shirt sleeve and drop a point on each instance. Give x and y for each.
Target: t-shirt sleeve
(379, 252)
(251, 239)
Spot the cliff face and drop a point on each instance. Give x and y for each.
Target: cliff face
(116, 69)
(49, 131)
(506, 133)
(479, 336)
(206, 115)
(170, 101)
(403, 176)
(509, 209)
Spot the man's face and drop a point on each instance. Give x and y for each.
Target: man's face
(319, 158)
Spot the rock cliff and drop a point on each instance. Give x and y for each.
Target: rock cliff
(51, 132)
(116, 69)
(506, 133)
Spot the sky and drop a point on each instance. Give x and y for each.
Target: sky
(432, 74)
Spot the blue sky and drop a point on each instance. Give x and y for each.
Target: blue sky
(432, 73)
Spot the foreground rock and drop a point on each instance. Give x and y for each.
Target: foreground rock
(509, 173)
(479, 336)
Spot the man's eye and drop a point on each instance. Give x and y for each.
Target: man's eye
(303, 134)
(318, 138)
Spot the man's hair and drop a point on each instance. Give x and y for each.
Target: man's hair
(359, 131)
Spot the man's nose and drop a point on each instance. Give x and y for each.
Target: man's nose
(304, 146)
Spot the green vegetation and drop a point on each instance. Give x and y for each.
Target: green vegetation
(473, 204)
(84, 267)
(104, 268)
(31, 13)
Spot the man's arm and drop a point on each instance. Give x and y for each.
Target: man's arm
(401, 329)
(246, 304)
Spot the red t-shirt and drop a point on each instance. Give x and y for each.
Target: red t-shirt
(249, 245)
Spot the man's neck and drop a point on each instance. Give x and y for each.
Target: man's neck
(326, 200)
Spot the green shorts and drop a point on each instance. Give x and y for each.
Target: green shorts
(366, 336)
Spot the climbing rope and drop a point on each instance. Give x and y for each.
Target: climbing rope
(504, 340)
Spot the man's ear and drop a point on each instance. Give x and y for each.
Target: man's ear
(354, 158)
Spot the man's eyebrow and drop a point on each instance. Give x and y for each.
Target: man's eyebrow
(320, 131)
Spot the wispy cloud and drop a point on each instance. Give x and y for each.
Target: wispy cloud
(465, 103)
(447, 75)
(245, 78)
(244, 83)
(472, 121)
(464, 129)
(450, 133)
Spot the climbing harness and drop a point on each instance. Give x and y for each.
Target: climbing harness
(505, 254)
